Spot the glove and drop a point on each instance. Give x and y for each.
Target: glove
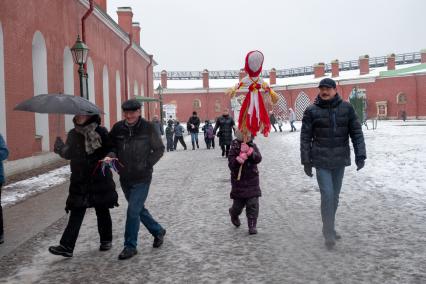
(242, 158)
(250, 151)
(59, 144)
(308, 170)
(360, 163)
(244, 147)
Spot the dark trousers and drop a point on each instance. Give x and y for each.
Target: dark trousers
(69, 237)
(293, 128)
(209, 142)
(330, 184)
(180, 139)
(251, 204)
(169, 143)
(225, 149)
(1, 214)
(273, 125)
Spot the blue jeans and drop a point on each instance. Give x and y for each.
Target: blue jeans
(293, 128)
(194, 138)
(330, 183)
(136, 212)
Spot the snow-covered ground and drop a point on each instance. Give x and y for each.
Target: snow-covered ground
(382, 219)
(18, 191)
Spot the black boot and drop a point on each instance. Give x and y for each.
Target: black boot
(234, 219)
(105, 246)
(61, 250)
(223, 152)
(1, 239)
(158, 240)
(127, 253)
(252, 222)
(193, 146)
(330, 242)
(198, 146)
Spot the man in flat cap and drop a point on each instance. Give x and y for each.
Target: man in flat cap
(324, 144)
(138, 148)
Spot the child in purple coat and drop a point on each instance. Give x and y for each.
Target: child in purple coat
(246, 190)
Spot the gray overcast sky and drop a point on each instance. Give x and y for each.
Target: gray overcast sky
(216, 34)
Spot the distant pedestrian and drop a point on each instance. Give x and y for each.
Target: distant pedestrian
(225, 124)
(179, 130)
(158, 125)
(292, 119)
(169, 136)
(4, 153)
(327, 126)
(245, 188)
(208, 134)
(91, 185)
(273, 120)
(280, 123)
(193, 127)
(404, 115)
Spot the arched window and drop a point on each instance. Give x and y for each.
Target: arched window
(196, 104)
(118, 95)
(39, 60)
(302, 102)
(2, 90)
(68, 66)
(91, 79)
(105, 95)
(401, 98)
(135, 89)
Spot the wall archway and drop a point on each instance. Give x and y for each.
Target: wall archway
(118, 95)
(3, 125)
(68, 65)
(39, 62)
(105, 96)
(302, 102)
(91, 80)
(280, 109)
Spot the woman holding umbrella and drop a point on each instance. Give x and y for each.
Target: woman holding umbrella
(92, 184)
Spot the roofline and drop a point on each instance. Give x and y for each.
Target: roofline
(110, 23)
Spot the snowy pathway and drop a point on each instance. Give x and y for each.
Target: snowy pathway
(382, 219)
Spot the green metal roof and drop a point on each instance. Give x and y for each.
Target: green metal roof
(146, 99)
(404, 71)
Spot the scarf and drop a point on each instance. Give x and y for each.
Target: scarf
(92, 138)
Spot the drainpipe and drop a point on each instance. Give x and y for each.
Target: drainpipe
(125, 66)
(147, 81)
(83, 26)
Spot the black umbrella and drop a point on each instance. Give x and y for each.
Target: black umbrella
(59, 104)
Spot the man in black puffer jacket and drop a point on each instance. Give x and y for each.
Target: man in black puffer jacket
(138, 147)
(324, 144)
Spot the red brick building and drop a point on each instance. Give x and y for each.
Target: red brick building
(35, 58)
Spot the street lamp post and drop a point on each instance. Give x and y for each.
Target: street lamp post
(160, 96)
(80, 51)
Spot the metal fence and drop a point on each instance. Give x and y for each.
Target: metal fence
(404, 58)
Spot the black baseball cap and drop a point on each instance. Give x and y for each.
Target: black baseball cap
(131, 105)
(328, 83)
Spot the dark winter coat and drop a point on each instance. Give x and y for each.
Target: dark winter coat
(272, 118)
(326, 128)
(225, 125)
(179, 130)
(158, 127)
(4, 153)
(88, 186)
(169, 131)
(248, 185)
(195, 120)
(138, 148)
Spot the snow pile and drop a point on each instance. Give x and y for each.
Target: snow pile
(18, 191)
